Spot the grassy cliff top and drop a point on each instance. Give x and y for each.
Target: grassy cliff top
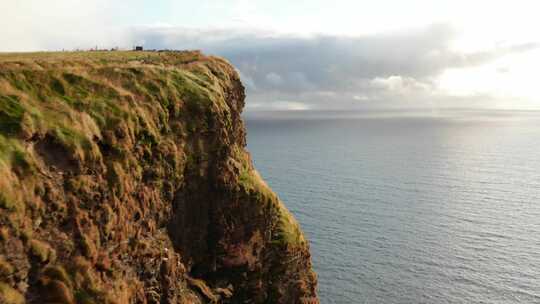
(73, 99)
(102, 56)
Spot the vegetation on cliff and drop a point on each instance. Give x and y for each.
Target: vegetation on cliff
(124, 179)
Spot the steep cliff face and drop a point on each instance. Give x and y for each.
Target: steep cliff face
(124, 179)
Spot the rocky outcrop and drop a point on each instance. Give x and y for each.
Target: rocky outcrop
(125, 179)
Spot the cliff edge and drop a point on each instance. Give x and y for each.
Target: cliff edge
(124, 179)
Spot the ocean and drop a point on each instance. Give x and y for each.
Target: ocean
(405, 207)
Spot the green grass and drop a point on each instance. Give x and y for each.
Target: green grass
(11, 151)
(8, 203)
(8, 295)
(287, 232)
(11, 114)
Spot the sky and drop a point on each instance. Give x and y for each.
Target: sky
(317, 54)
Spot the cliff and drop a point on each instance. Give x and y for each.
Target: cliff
(124, 179)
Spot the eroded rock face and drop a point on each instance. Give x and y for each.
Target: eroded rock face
(125, 179)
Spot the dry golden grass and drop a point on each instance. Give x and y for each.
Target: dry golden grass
(95, 138)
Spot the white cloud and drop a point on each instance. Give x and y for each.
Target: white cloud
(400, 85)
(511, 78)
(278, 106)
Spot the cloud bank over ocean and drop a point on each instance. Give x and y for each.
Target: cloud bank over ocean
(338, 72)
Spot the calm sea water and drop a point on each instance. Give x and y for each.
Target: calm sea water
(442, 208)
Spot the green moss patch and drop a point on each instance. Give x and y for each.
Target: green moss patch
(11, 115)
(287, 232)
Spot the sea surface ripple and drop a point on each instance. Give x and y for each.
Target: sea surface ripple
(411, 209)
